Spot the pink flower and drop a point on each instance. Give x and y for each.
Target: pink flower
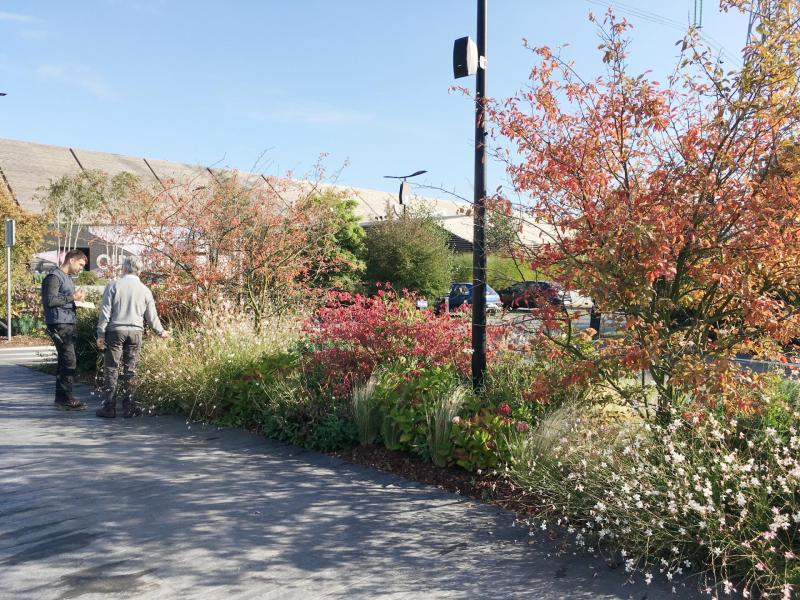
(504, 409)
(522, 426)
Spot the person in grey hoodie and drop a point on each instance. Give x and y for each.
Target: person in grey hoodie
(127, 304)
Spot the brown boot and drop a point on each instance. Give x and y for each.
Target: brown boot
(69, 404)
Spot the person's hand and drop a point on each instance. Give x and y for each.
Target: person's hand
(165, 334)
(78, 295)
(101, 344)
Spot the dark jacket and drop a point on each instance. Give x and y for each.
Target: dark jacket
(58, 299)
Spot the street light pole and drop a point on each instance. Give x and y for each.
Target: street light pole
(469, 58)
(479, 225)
(8, 292)
(10, 240)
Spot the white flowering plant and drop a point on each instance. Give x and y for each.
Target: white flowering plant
(710, 492)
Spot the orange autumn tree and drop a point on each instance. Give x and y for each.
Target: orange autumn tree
(676, 205)
(223, 240)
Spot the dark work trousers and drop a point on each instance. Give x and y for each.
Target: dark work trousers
(64, 336)
(121, 345)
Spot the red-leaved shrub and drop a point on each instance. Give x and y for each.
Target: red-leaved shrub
(353, 334)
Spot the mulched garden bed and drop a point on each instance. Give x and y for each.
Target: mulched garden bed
(20, 341)
(491, 488)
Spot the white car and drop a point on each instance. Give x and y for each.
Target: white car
(576, 301)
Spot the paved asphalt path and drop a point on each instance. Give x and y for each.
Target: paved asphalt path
(152, 508)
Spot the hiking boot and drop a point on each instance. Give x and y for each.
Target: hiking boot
(131, 411)
(107, 411)
(69, 404)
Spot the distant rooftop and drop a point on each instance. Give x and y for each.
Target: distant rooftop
(26, 168)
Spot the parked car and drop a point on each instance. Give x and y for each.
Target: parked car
(534, 294)
(461, 294)
(578, 302)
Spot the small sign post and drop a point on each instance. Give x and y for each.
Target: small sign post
(10, 241)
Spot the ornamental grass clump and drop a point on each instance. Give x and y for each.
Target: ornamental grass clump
(440, 424)
(192, 373)
(291, 408)
(367, 412)
(708, 491)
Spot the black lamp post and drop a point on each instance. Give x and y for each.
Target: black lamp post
(469, 59)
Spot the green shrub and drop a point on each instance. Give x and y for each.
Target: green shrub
(87, 278)
(480, 441)
(27, 324)
(296, 411)
(281, 407)
(408, 400)
(410, 252)
(241, 395)
(332, 432)
(343, 245)
(409, 418)
(89, 358)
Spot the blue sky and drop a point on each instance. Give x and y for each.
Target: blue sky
(366, 82)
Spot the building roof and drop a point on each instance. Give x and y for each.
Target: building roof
(27, 168)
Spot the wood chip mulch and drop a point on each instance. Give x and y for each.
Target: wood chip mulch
(22, 341)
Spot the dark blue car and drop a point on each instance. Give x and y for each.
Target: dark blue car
(461, 293)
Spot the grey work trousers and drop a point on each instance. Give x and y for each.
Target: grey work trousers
(124, 345)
